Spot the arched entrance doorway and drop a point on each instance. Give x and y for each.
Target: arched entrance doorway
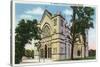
(45, 51)
(46, 32)
(48, 52)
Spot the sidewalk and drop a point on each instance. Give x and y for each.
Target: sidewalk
(30, 60)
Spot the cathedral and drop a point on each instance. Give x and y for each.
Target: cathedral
(55, 43)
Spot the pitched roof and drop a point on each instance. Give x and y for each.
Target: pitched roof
(49, 14)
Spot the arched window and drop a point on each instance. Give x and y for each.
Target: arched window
(46, 31)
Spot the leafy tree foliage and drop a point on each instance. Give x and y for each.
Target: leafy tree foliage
(24, 32)
(82, 21)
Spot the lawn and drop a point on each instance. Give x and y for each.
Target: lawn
(88, 58)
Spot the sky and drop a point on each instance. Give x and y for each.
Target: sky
(35, 11)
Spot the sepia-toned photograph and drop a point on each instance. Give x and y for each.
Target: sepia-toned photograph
(52, 32)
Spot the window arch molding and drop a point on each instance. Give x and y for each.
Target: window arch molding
(46, 30)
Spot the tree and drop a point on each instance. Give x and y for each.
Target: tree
(24, 32)
(85, 22)
(73, 30)
(81, 21)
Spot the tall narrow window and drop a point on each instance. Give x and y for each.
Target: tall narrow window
(62, 22)
(78, 53)
(61, 31)
(49, 53)
(54, 30)
(45, 51)
(55, 21)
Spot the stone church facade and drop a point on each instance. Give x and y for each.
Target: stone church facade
(55, 44)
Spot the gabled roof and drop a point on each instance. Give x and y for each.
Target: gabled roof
(46, 12)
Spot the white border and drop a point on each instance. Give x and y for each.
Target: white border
(13, 32)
